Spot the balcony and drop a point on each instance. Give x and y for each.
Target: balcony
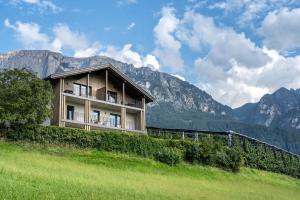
(110, 97)
(75, 116)
(105, 122)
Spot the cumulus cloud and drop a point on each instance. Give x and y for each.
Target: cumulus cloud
(167, 46)
(248, 11)
(232, 68)
(30, 35)
(76, 41)
(224, 44)
(242, 84)
(41, 5)
(65, 39)
(281, 29)
(127, 55)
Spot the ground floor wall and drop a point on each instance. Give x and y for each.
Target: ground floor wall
(99, 115)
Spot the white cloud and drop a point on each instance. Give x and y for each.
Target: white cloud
(281, 29)
(30, 35)
(167, 46)
(179, 76)
(248, 11)
(41, 5)
(126, 2)
(241, 84)
(127, 55)
(224, 44)
(76, 41)
(234, 70)
(130, 26)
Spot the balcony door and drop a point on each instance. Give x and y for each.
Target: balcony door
(115, 120)
(70, 112)
(81, 90)
(95, 116)
(112, 96)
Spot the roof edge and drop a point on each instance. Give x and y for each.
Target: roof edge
(101, 67)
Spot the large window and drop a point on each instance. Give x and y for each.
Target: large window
(70, 112)
(81, 90)
(115, 120)
(112, 96)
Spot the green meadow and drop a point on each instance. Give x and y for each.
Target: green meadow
(29, 171)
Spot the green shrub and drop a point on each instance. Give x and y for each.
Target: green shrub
(169, 156)
(169, 151)
(229, 159)
(267, 158)
(203, 151)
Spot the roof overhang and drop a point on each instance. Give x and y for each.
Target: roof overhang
(148, 97)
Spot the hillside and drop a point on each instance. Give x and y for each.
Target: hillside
(178, 104)
(51, 172)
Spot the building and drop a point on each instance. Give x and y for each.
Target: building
(99, 97)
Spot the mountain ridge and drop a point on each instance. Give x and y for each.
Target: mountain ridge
(280, 109)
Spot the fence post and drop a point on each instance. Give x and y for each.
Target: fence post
(196, 137)
(182, 135)
(229, 138)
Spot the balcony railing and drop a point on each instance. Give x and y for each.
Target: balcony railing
(112, 98)
(133, 103)
(105, 121)
(77, 116)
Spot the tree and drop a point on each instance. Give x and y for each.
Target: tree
(24, 98)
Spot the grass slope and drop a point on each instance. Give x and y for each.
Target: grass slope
(50, 172)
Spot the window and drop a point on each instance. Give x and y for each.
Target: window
(81, 90)
(76, 89)
(95, 116)
(115, 120)
(70, 112)
(112, 96)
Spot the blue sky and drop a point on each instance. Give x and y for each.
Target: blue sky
(236, 50)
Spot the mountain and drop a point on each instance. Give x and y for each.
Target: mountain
(278, 110)
(178, 103)
(170, 92)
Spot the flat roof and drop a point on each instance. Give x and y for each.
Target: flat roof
(148, 97)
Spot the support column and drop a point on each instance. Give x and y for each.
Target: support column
(123, 94)
(123, 117)
(62, 104)
(143, 116)
(87, 108)
(106, 84)
(64, 111)
(88, 84)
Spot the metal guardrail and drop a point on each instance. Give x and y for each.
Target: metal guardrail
(228, 134)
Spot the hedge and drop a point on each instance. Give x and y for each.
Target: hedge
(264, 157)
(206, 152)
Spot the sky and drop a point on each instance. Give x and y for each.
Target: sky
(236, 50)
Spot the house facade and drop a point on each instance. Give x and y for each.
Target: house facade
(99, 97)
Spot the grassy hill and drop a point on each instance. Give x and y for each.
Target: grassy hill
(50, 172)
